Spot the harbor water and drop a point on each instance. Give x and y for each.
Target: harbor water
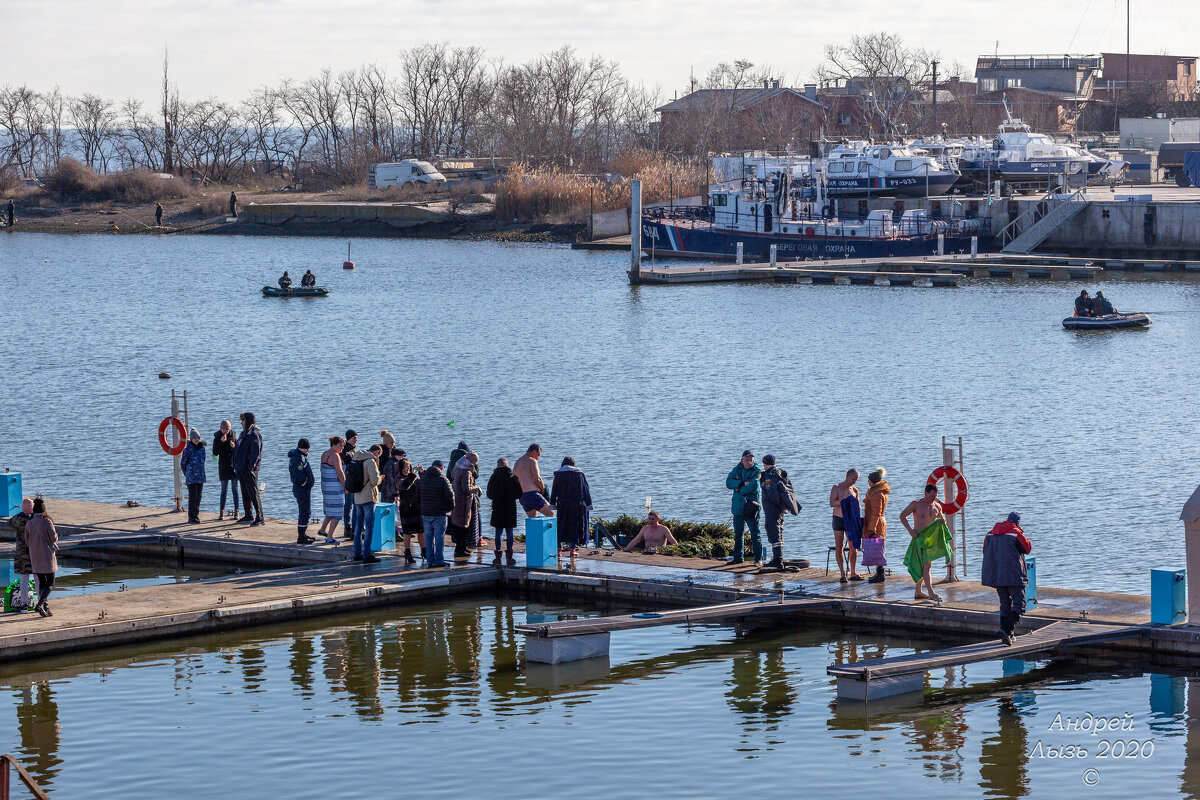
(433, 702)
(655, 391)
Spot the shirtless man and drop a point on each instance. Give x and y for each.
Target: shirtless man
(653, 535)
(839, 492)
(923, 512)
(533, 491)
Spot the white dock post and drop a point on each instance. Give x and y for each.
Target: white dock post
(177, 459)
(941, 244)
(774, 251)
(974, 247)
(1191, 532)
(635, 229)
(739, 253)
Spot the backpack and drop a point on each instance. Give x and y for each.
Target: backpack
(356, 476)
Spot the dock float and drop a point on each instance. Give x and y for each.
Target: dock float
(887, 677)
(577, 639)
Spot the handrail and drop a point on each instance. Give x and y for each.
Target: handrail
(5, 762)
(1011, 231)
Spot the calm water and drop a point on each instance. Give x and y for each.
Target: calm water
(434, 702)
(655, 391)
(85, 576)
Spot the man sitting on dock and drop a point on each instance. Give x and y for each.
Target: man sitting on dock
(653, 535)
(308, 280)
(285, 281)
(1083, 304)
(533, 490)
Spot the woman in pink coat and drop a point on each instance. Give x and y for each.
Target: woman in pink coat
(43, 546)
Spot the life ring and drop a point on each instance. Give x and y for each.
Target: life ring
(961, 488)
(180, 436)
(810, 231)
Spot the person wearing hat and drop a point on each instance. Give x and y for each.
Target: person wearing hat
(303, 481)
(778, 500)
(191, 461)
(743, 481)
(388, 443)
(1004, 551)
(349, 451)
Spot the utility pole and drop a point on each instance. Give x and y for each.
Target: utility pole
(934, 95)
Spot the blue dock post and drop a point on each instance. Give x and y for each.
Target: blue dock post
(1031, 587)
(541, 542)
(12, 493)
(1168, 596)
(383, 532)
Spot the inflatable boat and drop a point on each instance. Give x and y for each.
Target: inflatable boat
(1106, 322)
(314, 291)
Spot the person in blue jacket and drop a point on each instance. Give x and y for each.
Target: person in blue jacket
(247, 459)
(302, 483)
(743, 480)
(191, 461)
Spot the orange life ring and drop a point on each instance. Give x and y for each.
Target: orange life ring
(181, 436)
(961, 488)
(809, 231)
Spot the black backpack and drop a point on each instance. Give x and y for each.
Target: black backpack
(356, 476)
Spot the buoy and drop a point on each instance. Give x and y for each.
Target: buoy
(164, 375)
(347, 264)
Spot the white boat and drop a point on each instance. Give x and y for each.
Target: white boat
(859, 168)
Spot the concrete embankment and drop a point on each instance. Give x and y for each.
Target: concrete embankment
(315, 580)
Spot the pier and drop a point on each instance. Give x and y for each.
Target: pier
(298, 582)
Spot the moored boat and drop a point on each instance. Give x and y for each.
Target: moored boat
(1107, 322)
(306, 291)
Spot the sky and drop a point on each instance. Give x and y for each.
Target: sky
(226, 48)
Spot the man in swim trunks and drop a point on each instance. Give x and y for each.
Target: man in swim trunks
(533, 491)
(839, 492)
(653, 535)
(923, 512)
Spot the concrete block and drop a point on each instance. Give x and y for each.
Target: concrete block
(383, 532)
(560, 649)
(1168, 596)
(541, 542)
(10, 493)
(878, 688)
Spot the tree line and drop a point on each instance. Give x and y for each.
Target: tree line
(439, 101)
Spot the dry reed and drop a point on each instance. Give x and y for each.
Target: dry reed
(547, 194)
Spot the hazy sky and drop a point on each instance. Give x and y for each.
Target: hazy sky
(225, 48)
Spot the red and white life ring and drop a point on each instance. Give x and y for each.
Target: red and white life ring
(180, 436)
(961, 487)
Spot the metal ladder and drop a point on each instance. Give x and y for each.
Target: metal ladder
(1016, 240)
(7, 761)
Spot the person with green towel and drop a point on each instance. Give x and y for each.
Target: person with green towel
(930, 540)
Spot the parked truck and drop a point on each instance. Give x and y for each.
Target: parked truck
(402, 173)
(1170, 160)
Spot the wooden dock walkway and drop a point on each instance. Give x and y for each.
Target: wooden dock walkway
(889, 676)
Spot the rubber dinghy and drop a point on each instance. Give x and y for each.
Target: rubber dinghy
(275, 291)
(1106, 322)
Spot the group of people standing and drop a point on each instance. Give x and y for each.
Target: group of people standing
(35, 556)
(239, 459)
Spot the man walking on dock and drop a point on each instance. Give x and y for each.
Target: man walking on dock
(1004, 551)
(930, 540)
(247, 459)
(743, 480)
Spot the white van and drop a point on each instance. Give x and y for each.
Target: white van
(403, 172)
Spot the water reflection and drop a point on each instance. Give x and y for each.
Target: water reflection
(39, 730)
(1004, 755)
(760, 690)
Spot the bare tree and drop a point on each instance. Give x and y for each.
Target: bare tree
(882, 72)
(95, 124)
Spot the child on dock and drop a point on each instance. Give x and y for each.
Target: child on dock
(1004, 551)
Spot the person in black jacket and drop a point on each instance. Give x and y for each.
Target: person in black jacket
(247, 458)
(437, 501)
(1083, 304)
(1004, 551)
(408, 507)
(349, 451)
(303, 480)
(223, 443)
(504, 490)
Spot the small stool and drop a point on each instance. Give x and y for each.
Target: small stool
(831, 551)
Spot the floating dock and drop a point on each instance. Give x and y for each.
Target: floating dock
(311, 580)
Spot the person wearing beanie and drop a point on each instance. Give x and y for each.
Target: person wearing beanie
(247, 460)
(349, 451)
(1004, 551)
(388, 443)
(191, 461)
(303, 481)
(778, 500)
